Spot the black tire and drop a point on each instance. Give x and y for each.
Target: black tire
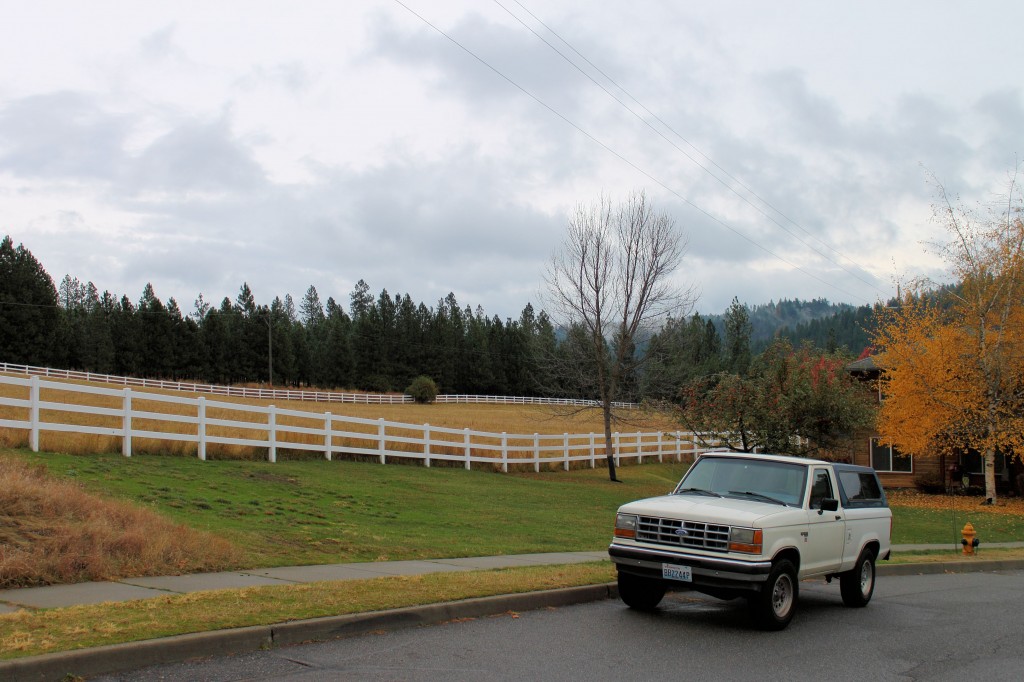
(858, 584)
(642, 594)
(774, 606)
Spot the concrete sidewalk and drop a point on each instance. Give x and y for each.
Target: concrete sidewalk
(127, 589)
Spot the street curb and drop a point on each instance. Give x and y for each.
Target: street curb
(971, 566)
(133, 655)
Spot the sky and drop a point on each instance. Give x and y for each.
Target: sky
(439, 147)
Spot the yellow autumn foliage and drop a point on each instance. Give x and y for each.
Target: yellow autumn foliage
(953, 359)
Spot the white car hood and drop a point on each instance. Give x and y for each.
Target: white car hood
(725, 511)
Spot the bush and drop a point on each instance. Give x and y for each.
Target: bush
(930, 483)
(422, 389)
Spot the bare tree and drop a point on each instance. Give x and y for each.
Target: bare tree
(609, 284)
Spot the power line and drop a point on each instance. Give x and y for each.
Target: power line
(619, 156)
(687, 142)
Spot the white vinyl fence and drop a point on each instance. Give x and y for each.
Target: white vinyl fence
(286, 394)
(39, 405)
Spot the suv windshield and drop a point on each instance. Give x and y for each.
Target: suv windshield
(781, 482)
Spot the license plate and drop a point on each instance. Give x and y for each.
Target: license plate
(673, 572)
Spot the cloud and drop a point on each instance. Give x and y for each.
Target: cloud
(199, 156)
(61, 135)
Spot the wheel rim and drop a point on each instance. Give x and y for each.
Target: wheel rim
(867, 577)
(782, 596)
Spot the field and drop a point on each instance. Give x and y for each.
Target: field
(225, 422)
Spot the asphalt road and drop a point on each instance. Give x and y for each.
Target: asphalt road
(934, 627)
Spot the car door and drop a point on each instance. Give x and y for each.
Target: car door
(823, 541)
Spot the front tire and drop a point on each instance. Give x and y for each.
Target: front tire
(858, 584)
(642, 594)
(774, 606)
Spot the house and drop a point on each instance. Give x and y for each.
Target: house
(952, 472)
(895, 469)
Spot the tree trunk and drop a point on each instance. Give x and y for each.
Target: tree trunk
(609, 446)
(990, 475)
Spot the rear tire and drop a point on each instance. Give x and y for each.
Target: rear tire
(858, 584)
(774, 606)
(642, 594)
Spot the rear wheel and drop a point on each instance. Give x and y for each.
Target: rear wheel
(642, 594)
(773, 607)
(858, 584)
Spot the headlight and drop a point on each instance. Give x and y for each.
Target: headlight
(625, 525)
(748, 540)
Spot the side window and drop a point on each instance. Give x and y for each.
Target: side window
(860, 489)
(821, 488)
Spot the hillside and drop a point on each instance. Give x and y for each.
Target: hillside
(818, 321)
(54, 531)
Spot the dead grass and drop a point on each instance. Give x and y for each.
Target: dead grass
(54, 532)
(524, 420)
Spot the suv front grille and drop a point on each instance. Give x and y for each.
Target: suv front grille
(678, 533)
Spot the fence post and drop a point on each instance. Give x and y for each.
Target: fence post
(679, 446)
(426, 445)
(272, 433)
(33, 397)
(616, 449)
(536, 453)
(660, 458)
(504, 452)
(639, 449)
(380, 440)
(565, 450)
(126, 439)
(465, 439)
(327, 436)
(201, 427)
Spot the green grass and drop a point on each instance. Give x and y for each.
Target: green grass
(929, 526)
(313, 511)
(308, 512)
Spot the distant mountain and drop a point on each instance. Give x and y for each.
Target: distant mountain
(823, 323)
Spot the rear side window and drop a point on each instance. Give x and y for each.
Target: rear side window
(860, 489)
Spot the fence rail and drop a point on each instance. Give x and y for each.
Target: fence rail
(288, 394)
(47, 405)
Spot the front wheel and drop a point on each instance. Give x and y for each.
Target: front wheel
(642, 594)
(774, 606)
(858, 584)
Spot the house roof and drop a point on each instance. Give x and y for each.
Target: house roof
(867, 364)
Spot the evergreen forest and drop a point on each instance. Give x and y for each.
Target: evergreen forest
(371, 342)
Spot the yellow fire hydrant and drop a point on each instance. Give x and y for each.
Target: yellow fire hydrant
(970, 539)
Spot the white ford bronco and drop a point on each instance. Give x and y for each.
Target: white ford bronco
(754, 526)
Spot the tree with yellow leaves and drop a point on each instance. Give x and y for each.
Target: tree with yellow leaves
(953, 360)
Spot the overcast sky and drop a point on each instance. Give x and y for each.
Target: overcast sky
(436, 147)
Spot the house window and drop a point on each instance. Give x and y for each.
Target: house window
(886, 458)
(973, 462)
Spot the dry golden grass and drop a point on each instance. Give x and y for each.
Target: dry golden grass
(521, 420)
(54, 532)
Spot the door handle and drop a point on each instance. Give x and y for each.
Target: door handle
(839, 517)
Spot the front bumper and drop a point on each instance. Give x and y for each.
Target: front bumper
(707, 571)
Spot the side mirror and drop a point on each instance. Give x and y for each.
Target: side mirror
(829, 504)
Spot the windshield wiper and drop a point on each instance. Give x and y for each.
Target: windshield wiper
(699, 491)
(759, 496)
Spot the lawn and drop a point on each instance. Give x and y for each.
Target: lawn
(305, 512)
